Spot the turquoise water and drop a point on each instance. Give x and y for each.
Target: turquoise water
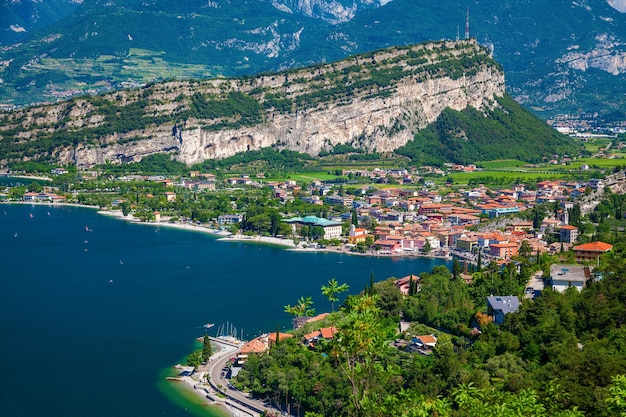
(90, 319)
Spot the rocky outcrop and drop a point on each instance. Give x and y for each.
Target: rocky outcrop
(375, 102)
(607, 55)
(333, 11)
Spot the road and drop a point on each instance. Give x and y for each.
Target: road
(536, 283)
(238, 402)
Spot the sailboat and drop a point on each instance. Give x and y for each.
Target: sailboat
(15, 235)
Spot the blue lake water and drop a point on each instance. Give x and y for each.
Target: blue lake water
(90, 319)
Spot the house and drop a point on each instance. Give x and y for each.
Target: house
(590, 252)
(325, 333)
(499, 306)
(170, 196)
(503, 250)
(59, 171)
(357, 235)
(422, 344)
(564, 276)
(389, 246)
(404, 284)
(568, 234)
(271, 338)
(522, 226)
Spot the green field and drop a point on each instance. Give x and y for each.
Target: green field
(502, 163)
(307, 176)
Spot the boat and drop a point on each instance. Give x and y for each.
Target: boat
(15, 235)
(31, 215)
(208, 325)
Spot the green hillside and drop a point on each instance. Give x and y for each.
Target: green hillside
(508, 132)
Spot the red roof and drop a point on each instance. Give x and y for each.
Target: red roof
(594, 247)
(328, 332)
(281, 336)
(254, 346)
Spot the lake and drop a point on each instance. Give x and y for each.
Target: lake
(94, 310)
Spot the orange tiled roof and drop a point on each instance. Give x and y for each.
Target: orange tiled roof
(594, 247)
(328, 332)
(254, 346)
(281, 336)
(427, 339)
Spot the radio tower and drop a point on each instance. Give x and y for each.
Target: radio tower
(467, 36)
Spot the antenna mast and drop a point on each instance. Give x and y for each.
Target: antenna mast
(467, 33)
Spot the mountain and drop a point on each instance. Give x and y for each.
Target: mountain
(559, 56)
(20, 18)
(374, 102)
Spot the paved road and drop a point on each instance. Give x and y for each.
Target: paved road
(239, 402)
(536, 283)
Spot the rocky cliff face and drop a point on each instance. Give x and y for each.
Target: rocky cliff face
(333, 11)
(375, 102)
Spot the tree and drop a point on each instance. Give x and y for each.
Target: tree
(332, 290)
(456, 268)
(303, 308)
(355, 219)
(195, 358)
(525, 250)
(358, 347)
(426, 248)
(207, 349)
(125, 205)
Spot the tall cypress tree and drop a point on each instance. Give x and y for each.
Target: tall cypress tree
(207, 349)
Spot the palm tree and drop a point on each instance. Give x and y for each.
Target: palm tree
(332, 290)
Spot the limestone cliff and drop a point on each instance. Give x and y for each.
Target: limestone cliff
(375, 101)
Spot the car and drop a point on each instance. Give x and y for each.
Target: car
(530, 290)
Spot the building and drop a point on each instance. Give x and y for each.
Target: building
(228, 219)
(503, 250)
(568, 234)
(590, 252)
(404, 284)
(499, 306)
(564, 276)
(357, 235)
(332, 230)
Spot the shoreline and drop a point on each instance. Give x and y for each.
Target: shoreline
(28, 177)
(226, 236)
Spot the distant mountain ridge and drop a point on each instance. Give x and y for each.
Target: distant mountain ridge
(559, 56)
(19, 18)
